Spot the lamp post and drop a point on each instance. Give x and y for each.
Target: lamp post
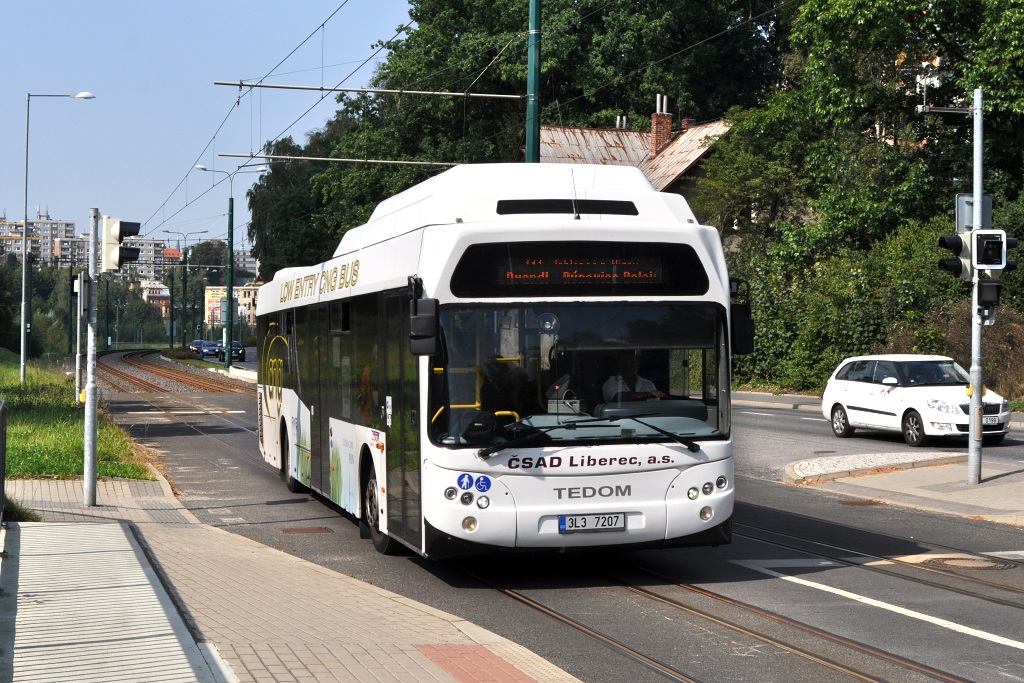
(184, 271)
(229, 275)
(24, 234)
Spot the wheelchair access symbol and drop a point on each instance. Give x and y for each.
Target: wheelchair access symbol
(483, 484)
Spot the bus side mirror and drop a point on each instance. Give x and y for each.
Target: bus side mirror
(742, 328)
(423, 327)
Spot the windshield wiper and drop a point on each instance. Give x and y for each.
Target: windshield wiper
(488, 451)
(498, 447)
(691, 445)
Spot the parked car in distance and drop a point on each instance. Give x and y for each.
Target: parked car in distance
(209, 349)
(920, 396)
(237, 352)
(197, 346)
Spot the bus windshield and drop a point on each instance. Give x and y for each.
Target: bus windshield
(579, 373)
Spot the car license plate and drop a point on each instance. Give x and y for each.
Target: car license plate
(990, 420)
(575, 524)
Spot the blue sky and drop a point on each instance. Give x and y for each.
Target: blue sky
(151, 65)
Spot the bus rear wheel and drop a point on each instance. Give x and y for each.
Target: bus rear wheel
(371, 518)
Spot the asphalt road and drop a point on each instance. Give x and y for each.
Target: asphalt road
(774, 563)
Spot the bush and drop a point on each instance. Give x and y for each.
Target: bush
(947, 331)
(180, 353)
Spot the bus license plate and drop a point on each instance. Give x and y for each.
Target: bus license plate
(990, 420)
(574, 524)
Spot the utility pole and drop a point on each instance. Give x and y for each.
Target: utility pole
(89, 469)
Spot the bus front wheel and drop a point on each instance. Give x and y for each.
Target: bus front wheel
(371, 518)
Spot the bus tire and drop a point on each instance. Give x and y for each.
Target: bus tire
(290, 482)
(371, 518)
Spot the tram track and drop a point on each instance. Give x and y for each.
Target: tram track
(138, 361)
(739, 624)
(660, 668)
(774, 617)
(121, 379)
(847, 658)
(179, 407)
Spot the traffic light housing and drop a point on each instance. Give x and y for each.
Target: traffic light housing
(113, 255)
(962, 266)
(989, 251)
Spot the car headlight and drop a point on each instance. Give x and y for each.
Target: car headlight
(943, 406)
(1005, 408)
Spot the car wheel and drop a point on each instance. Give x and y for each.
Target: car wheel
(840, 422)
(913, 429)
(371, 512)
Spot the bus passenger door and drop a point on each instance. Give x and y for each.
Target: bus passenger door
(316, 331)
(401, 402)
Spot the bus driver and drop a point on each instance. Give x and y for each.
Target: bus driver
(627, 385)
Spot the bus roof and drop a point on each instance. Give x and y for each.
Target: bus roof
(472, 193)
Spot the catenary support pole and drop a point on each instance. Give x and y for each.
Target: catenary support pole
(533, 85)
(228, 331)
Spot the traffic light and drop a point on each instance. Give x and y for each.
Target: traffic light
(989, 251)
(113, 255)
(961, 266)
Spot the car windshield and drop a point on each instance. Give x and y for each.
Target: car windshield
(570, 373)
(933, 372)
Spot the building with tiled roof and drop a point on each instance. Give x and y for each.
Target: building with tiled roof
(669, 158)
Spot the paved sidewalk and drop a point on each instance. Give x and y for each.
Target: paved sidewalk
(135, 589)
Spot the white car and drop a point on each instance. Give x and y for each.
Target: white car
(920, 396)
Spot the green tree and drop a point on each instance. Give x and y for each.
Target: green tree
(598, 61)
(10, 303)
(834, 173)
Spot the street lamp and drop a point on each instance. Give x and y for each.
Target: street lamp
(24, 234)
(229, 275)
(184, 271)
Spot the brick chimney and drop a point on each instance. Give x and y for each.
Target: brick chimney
(661, 126)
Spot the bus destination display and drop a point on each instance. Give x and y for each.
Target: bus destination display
(595, 268)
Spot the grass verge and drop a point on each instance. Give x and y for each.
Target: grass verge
(46, 428)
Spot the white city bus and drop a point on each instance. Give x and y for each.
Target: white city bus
(449, 376)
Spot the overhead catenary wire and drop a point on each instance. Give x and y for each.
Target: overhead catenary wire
(220, 127)
(502, 53)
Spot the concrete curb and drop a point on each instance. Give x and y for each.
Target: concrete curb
(821, 470)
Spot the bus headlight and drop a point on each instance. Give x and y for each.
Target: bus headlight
(451, 493)
(467, 498)
(721, 482)
(706, 513)
(469, 524)
(709, 488)
(692, 493)
(483, 502)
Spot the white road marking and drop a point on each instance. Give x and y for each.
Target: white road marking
(814, 419)
(748, 412)
(757, 566)
(1008, 554)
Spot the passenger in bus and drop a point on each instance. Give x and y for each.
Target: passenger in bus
(627, 385)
